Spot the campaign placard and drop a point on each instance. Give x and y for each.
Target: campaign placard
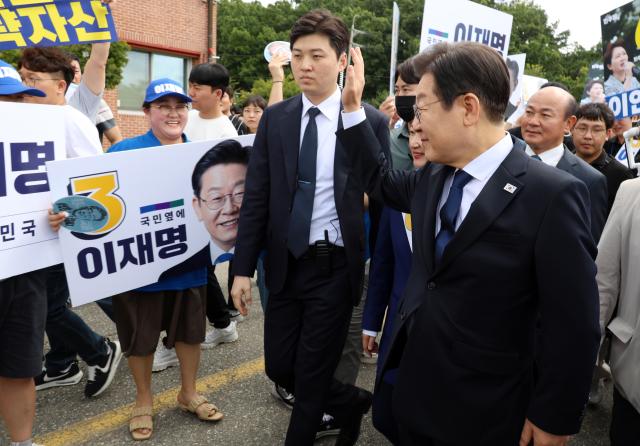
(26, 241)
(462, 20)
(26, 23)
(156, 224)
(625, 104)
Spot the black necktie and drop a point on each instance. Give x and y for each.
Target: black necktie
(449, 213)
(300, 220)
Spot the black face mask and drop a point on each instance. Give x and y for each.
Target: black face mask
(404, 107)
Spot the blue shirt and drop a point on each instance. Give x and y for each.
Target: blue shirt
(191, 279)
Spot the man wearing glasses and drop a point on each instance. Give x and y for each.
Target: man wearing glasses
(550, 114)
(218, 188)
(594, 124)
(496, 334)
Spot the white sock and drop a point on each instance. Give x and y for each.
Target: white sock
(22, 443)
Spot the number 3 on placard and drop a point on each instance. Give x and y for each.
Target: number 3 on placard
(101, 187)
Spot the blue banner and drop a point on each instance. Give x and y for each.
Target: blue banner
(27, 23)
(625, 104)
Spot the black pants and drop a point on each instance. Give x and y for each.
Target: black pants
(217, 311)
(625, 422)
(305, 329)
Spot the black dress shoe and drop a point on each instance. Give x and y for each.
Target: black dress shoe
(350, 430)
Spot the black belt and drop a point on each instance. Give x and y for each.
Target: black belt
(311, 253)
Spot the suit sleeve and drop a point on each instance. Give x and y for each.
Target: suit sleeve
(255, 205)
(599, 205)
(568, 336)
(380, 277)
(609, 259)
(366, 153)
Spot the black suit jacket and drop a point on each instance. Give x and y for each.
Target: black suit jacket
(596, 184)
(464, 333)
(270, 187)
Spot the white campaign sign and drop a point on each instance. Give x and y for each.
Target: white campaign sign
(26, 241)
(152, 225)
(462, 20)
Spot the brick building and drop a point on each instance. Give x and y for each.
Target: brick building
(165, 42)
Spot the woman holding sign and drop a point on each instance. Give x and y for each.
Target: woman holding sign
(175, 304)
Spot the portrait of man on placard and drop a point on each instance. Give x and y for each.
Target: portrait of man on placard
(218, 189)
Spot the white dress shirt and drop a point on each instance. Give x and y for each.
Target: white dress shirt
(550, 157)
(481, 169)
(325, 215)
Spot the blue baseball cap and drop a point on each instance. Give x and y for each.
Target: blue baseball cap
(164, 87)
(10, 82)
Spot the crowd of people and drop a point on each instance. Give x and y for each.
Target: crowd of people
(488, 273)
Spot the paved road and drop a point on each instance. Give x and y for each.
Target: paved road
(231, 375)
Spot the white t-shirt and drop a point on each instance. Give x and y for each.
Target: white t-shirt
(199, 129)
(81, 134)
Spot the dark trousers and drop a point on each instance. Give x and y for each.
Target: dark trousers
(304, 332)
(217, 310)
(382, 415)
(625, 422)
(411, 439)
(69, 336)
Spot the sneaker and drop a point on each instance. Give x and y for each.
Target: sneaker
(68, 377)
(99, 376)
(328, 427)
(235, 316)
(281, 394)
(164, 358)
(219, 336)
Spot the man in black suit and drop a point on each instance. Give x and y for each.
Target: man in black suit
(500, 242)
(550, 114)
(304, 203)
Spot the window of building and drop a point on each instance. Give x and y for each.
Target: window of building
(142, 68)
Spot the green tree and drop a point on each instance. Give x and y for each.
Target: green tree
(244, 29)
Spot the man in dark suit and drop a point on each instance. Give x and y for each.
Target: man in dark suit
(304, 203)
(500, 242)
(550, 114)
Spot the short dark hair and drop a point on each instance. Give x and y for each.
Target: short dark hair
(407, 72)
(514, 68)
(228, 151)
(467, 67)
(591, 83)
(212, 74)
(47, 60)
(321, 21)
(256, 100)
(608, 54)
(596, 111)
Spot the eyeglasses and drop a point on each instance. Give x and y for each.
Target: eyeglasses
(167, 109)
(583, 130)
(417, 111)
(32, 81)
(217, 202)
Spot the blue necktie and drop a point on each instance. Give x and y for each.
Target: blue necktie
(300, 219)
(536, 157)
(224, 257)
(449, 213)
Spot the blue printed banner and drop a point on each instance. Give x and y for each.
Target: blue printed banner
(625, 104)
(27, 23)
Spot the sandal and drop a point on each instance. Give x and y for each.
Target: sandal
(203, 409)
(135, 425)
